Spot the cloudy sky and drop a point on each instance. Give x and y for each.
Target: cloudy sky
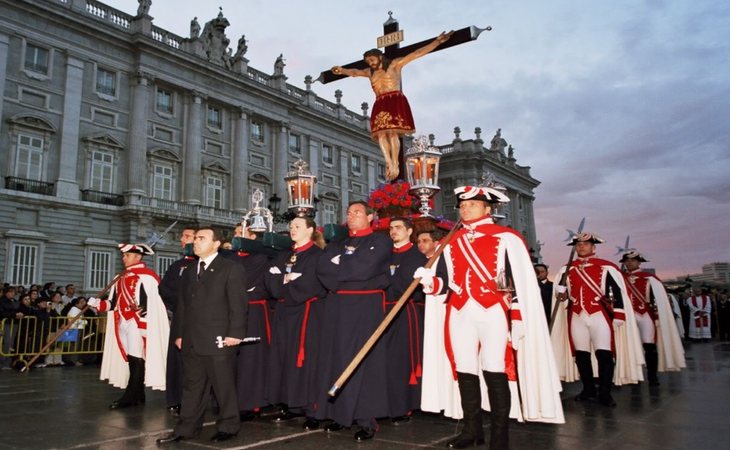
(621, 108)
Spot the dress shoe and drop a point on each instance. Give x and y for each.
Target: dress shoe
(170, 438)
(246, 416)
(311, 424)
(332, 427)
(364, 435)
(222, 436)
(174, 410)
(285, 416)
(463, 441)
(606, 400)
(400, 420)
(119, 404)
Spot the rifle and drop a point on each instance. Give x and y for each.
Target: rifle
(564, 278)
(350, 369)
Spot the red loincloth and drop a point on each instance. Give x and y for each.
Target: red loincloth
(391, 113)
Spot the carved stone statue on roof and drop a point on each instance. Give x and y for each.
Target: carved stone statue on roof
(144, 7)
(498, 143)
(279, 65)
(242, 48)
(215, 42)
(194, 28)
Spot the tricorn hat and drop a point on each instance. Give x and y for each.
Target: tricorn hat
(586, 237)
(142, 249)
(633, 255)
(486, 194)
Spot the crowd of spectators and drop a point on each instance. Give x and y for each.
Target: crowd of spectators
(29, 316)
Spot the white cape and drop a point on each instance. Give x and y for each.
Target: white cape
(669, 344)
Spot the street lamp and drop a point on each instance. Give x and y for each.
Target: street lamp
(422, 168)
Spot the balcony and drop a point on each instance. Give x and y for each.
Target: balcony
(26, 185)
(104, 198)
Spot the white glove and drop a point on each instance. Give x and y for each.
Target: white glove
(560, 289)
(424, 273)
(618, 323)
(274, 270)
(518, 332)
(93, 302)
(291, 277)
(336, 260)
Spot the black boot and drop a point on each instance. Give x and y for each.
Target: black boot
(605, 377)
(652, 363)
(134, 393)
(499, 403)
(472, 434)
(585, 369)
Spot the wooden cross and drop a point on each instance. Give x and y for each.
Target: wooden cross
(394, 50)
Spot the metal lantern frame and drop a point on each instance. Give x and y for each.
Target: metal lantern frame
(300, 185)
(422, 168)
(257, 217)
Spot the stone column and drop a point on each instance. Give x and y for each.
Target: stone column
(4, 40)
(193, 149)
(137, 162)
(344, 185)
(67, 185)
(239, 172)
(281, 162)
(372, 172)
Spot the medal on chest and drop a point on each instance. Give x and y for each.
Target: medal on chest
(292, 261)
(349, 249)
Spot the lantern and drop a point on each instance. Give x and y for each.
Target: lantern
(422, 167)
(300, 189)
(257, 217)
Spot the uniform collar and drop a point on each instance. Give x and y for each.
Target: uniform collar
(471, 224)
(360, 233)
(304, 247)
(403, 248)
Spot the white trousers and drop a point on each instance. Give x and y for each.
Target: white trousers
(478, 335)
(646, 327)
(586, 329)
(130, 338)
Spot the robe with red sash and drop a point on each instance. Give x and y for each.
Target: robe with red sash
(136, 283)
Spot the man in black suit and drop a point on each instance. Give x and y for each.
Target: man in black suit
(209, 323)
(546, 288)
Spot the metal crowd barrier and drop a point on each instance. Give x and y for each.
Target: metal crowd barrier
(22, 339)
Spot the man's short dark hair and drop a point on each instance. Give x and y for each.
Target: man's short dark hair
(544, 266)
(217, 234)
(368, 209)
(408, 223)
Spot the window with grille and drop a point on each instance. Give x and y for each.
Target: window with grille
(29, 162)
(102, 168)
(356, 163)
(106, 82)
(214, 192)
(295, 143)
(36, 59)
(163, 263)
(164, 101)
(100, 269)
(162, 183)
(23, 264)
(329, 212)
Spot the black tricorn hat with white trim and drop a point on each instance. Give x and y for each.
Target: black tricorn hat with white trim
(483, 193)
(633, 255)
(586, 237)
(142, 249)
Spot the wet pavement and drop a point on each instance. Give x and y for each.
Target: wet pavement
(67, 408)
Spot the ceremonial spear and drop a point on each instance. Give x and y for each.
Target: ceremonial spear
(564, 278)
(347, 373)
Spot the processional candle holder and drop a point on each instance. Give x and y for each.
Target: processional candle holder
(258, 219)
(422, 167)
(300, 184)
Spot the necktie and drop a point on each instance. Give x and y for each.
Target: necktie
(201, 269)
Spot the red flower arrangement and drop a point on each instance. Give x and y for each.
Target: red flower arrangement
(393, 199)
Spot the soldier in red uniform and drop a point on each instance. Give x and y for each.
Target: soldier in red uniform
(596, 295)
(494, 320)
(651, 306)
(137, 329)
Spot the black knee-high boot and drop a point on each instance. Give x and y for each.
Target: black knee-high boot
(585, 369)
(134, 393)
(499, 403)
(652, 363)
(472, 434)
(605, 377)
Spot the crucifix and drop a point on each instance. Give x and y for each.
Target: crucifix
(391, 117)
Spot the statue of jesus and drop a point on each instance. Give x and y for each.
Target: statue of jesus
(391, 116)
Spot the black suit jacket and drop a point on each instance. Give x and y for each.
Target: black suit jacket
(214, 305)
